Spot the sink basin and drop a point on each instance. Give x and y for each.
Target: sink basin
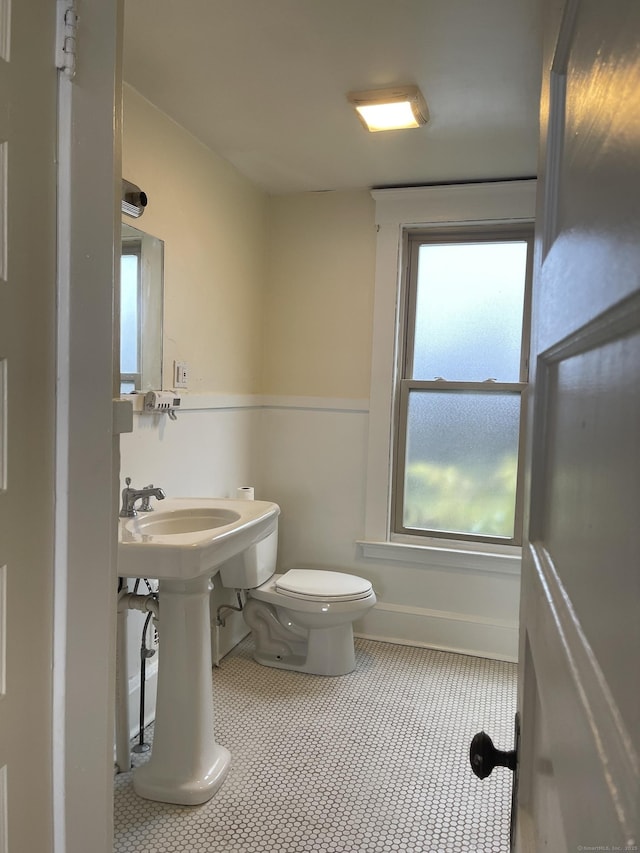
(184, 538)
(185, 521)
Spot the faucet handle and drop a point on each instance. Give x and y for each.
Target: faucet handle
(145, 505)
(127, 511)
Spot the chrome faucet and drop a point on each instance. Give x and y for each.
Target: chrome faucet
(130, 496)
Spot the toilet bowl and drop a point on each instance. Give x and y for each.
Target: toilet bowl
(301, 620)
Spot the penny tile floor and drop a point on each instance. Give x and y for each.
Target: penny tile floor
(372, 762)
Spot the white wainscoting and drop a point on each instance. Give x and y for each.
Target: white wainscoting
(309, 455)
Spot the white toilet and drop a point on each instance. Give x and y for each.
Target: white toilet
(303, 619)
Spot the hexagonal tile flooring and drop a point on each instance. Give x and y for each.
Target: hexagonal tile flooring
(372, 762)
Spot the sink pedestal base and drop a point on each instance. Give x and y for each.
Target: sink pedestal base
(186, 766)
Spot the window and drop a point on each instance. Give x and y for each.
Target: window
(462, 374)
(460, 213)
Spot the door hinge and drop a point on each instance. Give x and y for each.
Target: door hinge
(66, 37)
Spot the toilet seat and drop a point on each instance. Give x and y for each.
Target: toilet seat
(315, 584)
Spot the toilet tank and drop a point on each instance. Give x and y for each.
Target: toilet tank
(253, 566)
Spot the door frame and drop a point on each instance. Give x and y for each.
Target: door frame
(87, 449)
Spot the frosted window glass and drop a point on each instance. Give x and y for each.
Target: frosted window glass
(469, 308)
(461, 462)
(129, 314)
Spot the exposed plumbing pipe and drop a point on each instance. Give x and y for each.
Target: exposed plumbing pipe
(220, 620)
(123, 753)
(215, 645)
(146, 604)
(145, 653)
(131, 601)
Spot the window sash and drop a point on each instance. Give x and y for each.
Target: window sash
(438, 236)
(406, 386)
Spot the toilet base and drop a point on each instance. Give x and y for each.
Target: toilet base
(329, 652)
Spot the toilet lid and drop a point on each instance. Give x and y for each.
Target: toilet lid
(315, 583)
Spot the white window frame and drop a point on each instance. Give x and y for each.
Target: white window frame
(406, 384)
(497, 203)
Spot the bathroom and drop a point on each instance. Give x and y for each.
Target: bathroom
(276, 328)
(269, 300)
(281, 395)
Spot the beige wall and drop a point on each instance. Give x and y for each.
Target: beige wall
(271, 295)
(214, 224)
(320, 297)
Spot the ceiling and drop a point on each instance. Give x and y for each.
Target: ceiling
(263, 84)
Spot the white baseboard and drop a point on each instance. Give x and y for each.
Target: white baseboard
(451, 632)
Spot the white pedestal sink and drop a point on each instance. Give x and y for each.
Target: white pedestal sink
(182, 543)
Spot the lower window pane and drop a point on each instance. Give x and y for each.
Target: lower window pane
(461, 462)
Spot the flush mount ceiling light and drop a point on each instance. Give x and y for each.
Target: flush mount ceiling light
(390, 109)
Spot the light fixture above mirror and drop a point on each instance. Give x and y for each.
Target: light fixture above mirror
(134, 200)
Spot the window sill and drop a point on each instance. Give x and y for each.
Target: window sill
(500, 559)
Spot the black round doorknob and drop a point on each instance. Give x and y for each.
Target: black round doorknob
(483, 756)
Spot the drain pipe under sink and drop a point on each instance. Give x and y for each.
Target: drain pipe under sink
(126, 601)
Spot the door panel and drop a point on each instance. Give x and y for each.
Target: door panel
(593, 414)
(542, 793)
(27, 379)
(580, 635)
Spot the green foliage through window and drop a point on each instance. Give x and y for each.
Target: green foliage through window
(465, 500)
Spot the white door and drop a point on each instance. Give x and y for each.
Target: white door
(580, 641)
(27, 410)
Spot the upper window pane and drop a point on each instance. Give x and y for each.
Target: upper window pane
(469, 311)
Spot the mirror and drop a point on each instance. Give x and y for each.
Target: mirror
(141, 300)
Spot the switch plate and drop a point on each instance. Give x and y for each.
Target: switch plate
(180, 374)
